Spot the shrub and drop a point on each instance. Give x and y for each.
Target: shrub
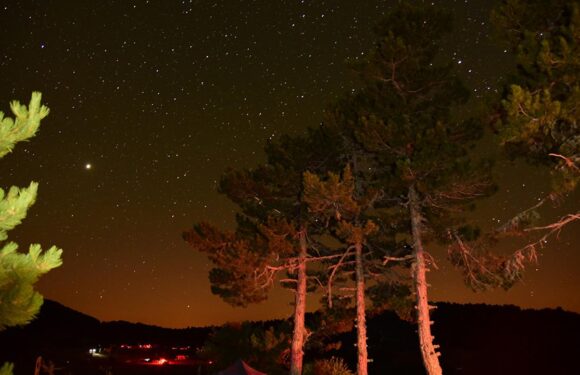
(331, 366)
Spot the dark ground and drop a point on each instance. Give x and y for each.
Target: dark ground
(474, 340)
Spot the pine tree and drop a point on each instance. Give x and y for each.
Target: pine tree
(416, 145)
(19, 302)
(272, 234)
(538, 118)
(334, 200)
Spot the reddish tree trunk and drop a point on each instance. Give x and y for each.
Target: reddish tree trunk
(360, 314)
(298, 336)
(430, 356)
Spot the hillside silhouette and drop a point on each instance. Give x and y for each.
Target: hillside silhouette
(475, 339)
(64, 335)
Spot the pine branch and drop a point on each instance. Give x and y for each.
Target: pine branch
(475, 271)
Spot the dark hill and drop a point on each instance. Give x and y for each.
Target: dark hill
(486, 339)
(61, 333)
(474, 339)
(56, 329)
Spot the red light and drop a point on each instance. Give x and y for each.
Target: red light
(159, 362)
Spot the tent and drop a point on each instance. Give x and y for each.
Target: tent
(240, 368)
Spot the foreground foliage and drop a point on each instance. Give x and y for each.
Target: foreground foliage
(19, 301)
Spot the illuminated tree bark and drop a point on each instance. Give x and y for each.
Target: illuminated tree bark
(299, 335)
(408, 120)
(334, 203)
(430, 356)
(362, 362)
(271, 234)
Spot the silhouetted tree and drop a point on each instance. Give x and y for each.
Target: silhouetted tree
(262, 345)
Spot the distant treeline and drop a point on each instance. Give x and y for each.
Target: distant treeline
(64, 335)
(477, 339)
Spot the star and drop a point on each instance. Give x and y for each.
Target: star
(164, 113)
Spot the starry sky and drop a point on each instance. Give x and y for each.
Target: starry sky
(152, 100)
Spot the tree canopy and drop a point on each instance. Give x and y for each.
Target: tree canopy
(539, 118)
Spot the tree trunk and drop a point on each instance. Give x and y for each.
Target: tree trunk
(298, 339)
(38, 365)
(360, 314)
(430, 356)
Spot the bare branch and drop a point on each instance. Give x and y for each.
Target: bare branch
(430, 260)
(514, 223)
(319, 258)
(315, 278)
(568, 162)
(557, 226)
(288, 281)
(474, 268)
(459, 191)
(397, 259)
(335, 268)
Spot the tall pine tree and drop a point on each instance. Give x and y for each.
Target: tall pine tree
(272, 234)
(19, 302)
(416, 144)
(347, 215)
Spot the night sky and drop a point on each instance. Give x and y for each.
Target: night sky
(152, 100)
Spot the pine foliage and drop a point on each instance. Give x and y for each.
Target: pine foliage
(14, 205)
(272, 235)
(415, 141)
(406, 120)
(239, 274)
(19, 302)
(539, 117)
(270, 197)
(6, 369)
(24, 124)
(538, 120)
